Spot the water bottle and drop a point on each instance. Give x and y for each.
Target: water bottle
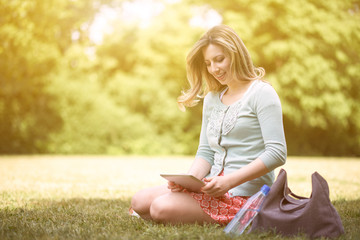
(247, 213)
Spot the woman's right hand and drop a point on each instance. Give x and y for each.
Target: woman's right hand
(175, 187)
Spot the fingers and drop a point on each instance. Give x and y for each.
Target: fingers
(213, 187)
(175, 187)
(212, 191)
(208, 185)
(208, 179)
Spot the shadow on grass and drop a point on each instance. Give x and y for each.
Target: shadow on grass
(108, 219)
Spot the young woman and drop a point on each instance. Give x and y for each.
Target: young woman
(241, 141)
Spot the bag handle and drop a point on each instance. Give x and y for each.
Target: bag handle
(288, 196)
(295, 196)
(318, 184)
(296, 205)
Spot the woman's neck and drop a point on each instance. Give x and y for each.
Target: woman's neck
(238, 87)
(235, 91)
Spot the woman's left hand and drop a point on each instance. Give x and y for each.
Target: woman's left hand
(175, 187)
(216, 186)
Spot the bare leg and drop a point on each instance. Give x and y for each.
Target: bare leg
(178, 207)
(143, 199)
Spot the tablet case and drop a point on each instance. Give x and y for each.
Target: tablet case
(189, 182)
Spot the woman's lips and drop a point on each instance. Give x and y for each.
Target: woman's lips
(220, 77)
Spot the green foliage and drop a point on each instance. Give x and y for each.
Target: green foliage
(133, 96)
(23, 104)
(33, 34)
(64, 94)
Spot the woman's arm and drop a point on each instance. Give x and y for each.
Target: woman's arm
(269, 113)
(204, 151)
(219, 185)
(200, 168)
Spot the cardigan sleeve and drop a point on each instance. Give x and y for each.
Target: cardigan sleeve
(269, 112)
(204, 151)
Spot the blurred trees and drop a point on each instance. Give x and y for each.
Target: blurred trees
(34, 36)
(122, 99)
(61, 93)
(26, 56)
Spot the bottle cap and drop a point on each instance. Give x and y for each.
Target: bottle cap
(265, 189)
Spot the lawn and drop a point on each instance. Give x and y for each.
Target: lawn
(87, 197)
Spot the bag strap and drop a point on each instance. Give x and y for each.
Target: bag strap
(297, 206)
(319, 188)
(296, 196)
(296, 203)
(289, 196)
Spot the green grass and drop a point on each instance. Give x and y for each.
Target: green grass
(43, 197)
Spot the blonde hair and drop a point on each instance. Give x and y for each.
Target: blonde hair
(200, 80)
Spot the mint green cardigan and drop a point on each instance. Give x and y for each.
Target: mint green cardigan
(233, 136)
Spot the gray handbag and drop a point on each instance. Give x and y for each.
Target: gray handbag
(288, 214)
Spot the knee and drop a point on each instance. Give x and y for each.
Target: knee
(138, 203)
(161, 211)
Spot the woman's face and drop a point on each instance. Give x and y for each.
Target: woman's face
(217, 63)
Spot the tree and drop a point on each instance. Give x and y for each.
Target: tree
(34, 36)
(56, 98)
(143, 70)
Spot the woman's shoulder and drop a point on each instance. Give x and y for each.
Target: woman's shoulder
(265, 92)
(211, 97)
(264, 87)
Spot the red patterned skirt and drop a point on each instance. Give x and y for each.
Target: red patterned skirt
(221, 209)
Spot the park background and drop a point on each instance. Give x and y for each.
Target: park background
(88, 112)
(102, 76)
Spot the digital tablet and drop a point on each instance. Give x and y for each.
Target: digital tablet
(187, 181)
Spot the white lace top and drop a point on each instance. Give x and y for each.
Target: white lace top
(233, 136)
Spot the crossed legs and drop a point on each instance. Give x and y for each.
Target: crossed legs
(163, 206)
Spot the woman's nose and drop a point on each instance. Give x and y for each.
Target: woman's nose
(214, 69)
